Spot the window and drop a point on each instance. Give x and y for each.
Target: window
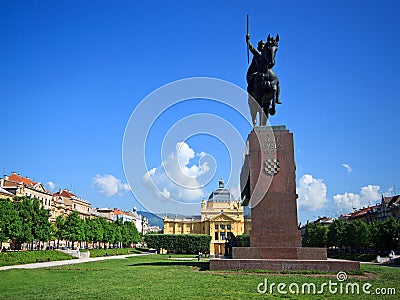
(228, 226)
(216, 227)
(216, 236)
(222, 226)
(222, 236)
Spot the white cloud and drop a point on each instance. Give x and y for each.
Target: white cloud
(236, 192)
(389, 192)
(175, 178)
(109, 185)
(312, 193)
(51, 185)
(345, 203)
(347, 167)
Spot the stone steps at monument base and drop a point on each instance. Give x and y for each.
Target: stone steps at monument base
(284, 265)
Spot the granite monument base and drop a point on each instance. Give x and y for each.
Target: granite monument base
(269, 178)
(279, 253)
(284, 265)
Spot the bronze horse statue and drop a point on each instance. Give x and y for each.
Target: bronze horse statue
(262, 82)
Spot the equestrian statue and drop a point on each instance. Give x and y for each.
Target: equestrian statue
(262, 82)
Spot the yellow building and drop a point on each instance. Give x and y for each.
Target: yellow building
(65, 202)
(220, 214)
(4, 194)
(59, 204)
(19, 186)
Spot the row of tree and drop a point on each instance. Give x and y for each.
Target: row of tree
(356, 234)
(24, 221)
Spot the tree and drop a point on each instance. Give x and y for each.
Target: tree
(335, 235)
(41, 227)
(53, 234)
(62, 231)
(356, 234)
(315, 235)
(10, 222)
(75, 228)
(25, 208)
(117, 231)
(129, 232)
(88, 226)
(35, 221)
(97, 230)
(385, 234)
(108, 232)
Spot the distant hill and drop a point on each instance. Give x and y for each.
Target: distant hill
(154, 220)
(169, 215)
(157, 220)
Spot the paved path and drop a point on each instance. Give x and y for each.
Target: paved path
(67, 262)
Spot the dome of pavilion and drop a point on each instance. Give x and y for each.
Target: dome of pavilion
(221, 194)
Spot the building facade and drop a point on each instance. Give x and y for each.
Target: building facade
(60, 203)
(388, 208)
(19, 186)
(64, 201)
(220, 214)
(4, 194)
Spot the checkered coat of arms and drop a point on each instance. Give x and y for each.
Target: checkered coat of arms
(271, 166)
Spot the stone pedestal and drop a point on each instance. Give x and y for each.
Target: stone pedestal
(273, 189)
(275, 241)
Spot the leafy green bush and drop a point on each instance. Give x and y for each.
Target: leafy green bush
(351, 256)
(243, 240)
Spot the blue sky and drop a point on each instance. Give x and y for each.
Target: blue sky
(72, 73)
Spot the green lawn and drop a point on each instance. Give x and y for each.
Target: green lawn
(113, 252)
(158, 277)
(27, 257)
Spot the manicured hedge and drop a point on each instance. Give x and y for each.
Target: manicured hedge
(189, 243)
(352, 256)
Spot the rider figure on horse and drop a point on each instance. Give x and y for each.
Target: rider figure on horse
(255, 62)
(262, 82)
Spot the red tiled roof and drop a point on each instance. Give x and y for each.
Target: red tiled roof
(64, 193)
(18, 178)
(362, 211)
(119, 212)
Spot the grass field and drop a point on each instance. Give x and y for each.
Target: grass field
(27, 257)
(113, 252)
(159, 277)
